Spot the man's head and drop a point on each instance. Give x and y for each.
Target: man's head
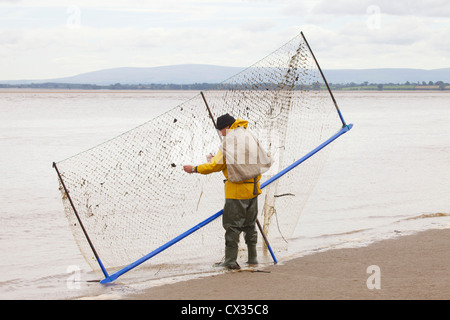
(224, 122)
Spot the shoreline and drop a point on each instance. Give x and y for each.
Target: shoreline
(409, 267)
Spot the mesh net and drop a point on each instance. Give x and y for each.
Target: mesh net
(133, 196)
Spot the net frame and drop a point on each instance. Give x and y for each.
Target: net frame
(280, 90)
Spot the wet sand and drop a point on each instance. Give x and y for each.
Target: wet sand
(410, 267)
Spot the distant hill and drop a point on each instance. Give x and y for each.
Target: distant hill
(177, 74)
(199, 73)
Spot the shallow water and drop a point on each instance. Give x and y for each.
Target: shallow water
(388, 176)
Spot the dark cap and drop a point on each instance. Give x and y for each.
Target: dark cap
(225, 121)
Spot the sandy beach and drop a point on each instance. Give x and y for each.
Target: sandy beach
(409, 267)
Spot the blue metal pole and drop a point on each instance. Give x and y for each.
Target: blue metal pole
(114, 276)
(343, 130)
(102, 267)
(272, 254)
(162, 248)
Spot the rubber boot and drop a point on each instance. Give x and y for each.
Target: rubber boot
(230, 258)
(252, 255)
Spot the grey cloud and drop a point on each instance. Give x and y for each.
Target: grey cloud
(431, 8)
(258, 25)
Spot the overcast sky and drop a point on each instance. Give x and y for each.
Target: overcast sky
(49, 39)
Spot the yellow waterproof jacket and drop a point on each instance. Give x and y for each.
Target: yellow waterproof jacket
(233, 190)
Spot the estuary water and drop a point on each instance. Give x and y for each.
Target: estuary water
(389, 176)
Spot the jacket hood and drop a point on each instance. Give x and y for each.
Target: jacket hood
(239, 123)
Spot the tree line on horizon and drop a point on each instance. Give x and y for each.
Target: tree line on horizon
(438, 85)
(430, 85)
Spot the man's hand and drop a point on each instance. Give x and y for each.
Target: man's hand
(188, 168)
(209, 157)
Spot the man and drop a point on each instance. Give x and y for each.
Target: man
(241, 200)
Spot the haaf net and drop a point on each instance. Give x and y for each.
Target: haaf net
(132, 195)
